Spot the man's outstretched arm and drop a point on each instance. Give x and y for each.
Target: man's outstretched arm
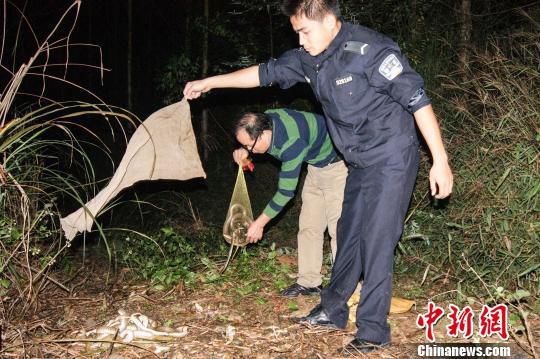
(440, 177)
(244, 78)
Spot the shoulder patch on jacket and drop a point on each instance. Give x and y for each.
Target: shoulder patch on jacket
(390, 67)
(357, 47)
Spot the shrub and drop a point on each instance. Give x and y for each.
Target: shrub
(490, 230)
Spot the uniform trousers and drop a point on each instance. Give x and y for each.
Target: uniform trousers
(322, 198)
(375, 204)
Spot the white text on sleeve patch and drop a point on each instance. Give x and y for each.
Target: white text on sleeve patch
(390, 67)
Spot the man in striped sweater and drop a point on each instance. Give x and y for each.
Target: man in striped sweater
(295, 137)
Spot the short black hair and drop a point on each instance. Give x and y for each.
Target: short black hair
(254, 123)
(312, 9)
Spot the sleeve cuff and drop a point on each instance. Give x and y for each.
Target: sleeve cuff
(418, 100)
(422, 103)
(263, 75)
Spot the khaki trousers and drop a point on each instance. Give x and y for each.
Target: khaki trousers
(322, 197)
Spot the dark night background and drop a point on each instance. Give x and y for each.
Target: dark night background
(239, 35)
(168, 38)
(167, 50)
(479, 59)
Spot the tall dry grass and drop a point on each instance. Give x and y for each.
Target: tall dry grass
(484, 244)
(34, 142)
(496, 153)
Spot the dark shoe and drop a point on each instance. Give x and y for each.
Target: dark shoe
(361, 346)
(296, 289)
(316, 317)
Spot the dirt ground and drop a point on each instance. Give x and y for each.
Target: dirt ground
(219, 323)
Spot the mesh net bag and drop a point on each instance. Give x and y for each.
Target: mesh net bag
(239, 216)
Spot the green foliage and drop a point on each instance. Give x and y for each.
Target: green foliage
(170, 256)
(35, 139)
(174, 256)
(511, 297)
(518, 314)
(230, 46)
(32, 184)
(178, 70)
(256, 269)
(292, 306)
(249, 269)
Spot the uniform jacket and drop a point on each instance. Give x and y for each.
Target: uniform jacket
(367, 89)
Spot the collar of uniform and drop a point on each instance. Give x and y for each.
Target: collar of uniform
(340, 38)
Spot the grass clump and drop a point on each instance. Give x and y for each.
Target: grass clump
(194, 258)
(169, 256)
(486, 239)
(40, 151)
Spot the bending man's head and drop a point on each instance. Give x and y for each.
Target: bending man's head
(316, 22)
(253, 131)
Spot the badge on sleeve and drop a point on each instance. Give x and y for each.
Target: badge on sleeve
(390, 67)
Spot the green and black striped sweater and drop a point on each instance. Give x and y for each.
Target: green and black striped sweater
(297, 137)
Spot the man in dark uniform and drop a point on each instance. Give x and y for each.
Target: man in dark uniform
(370, 96)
